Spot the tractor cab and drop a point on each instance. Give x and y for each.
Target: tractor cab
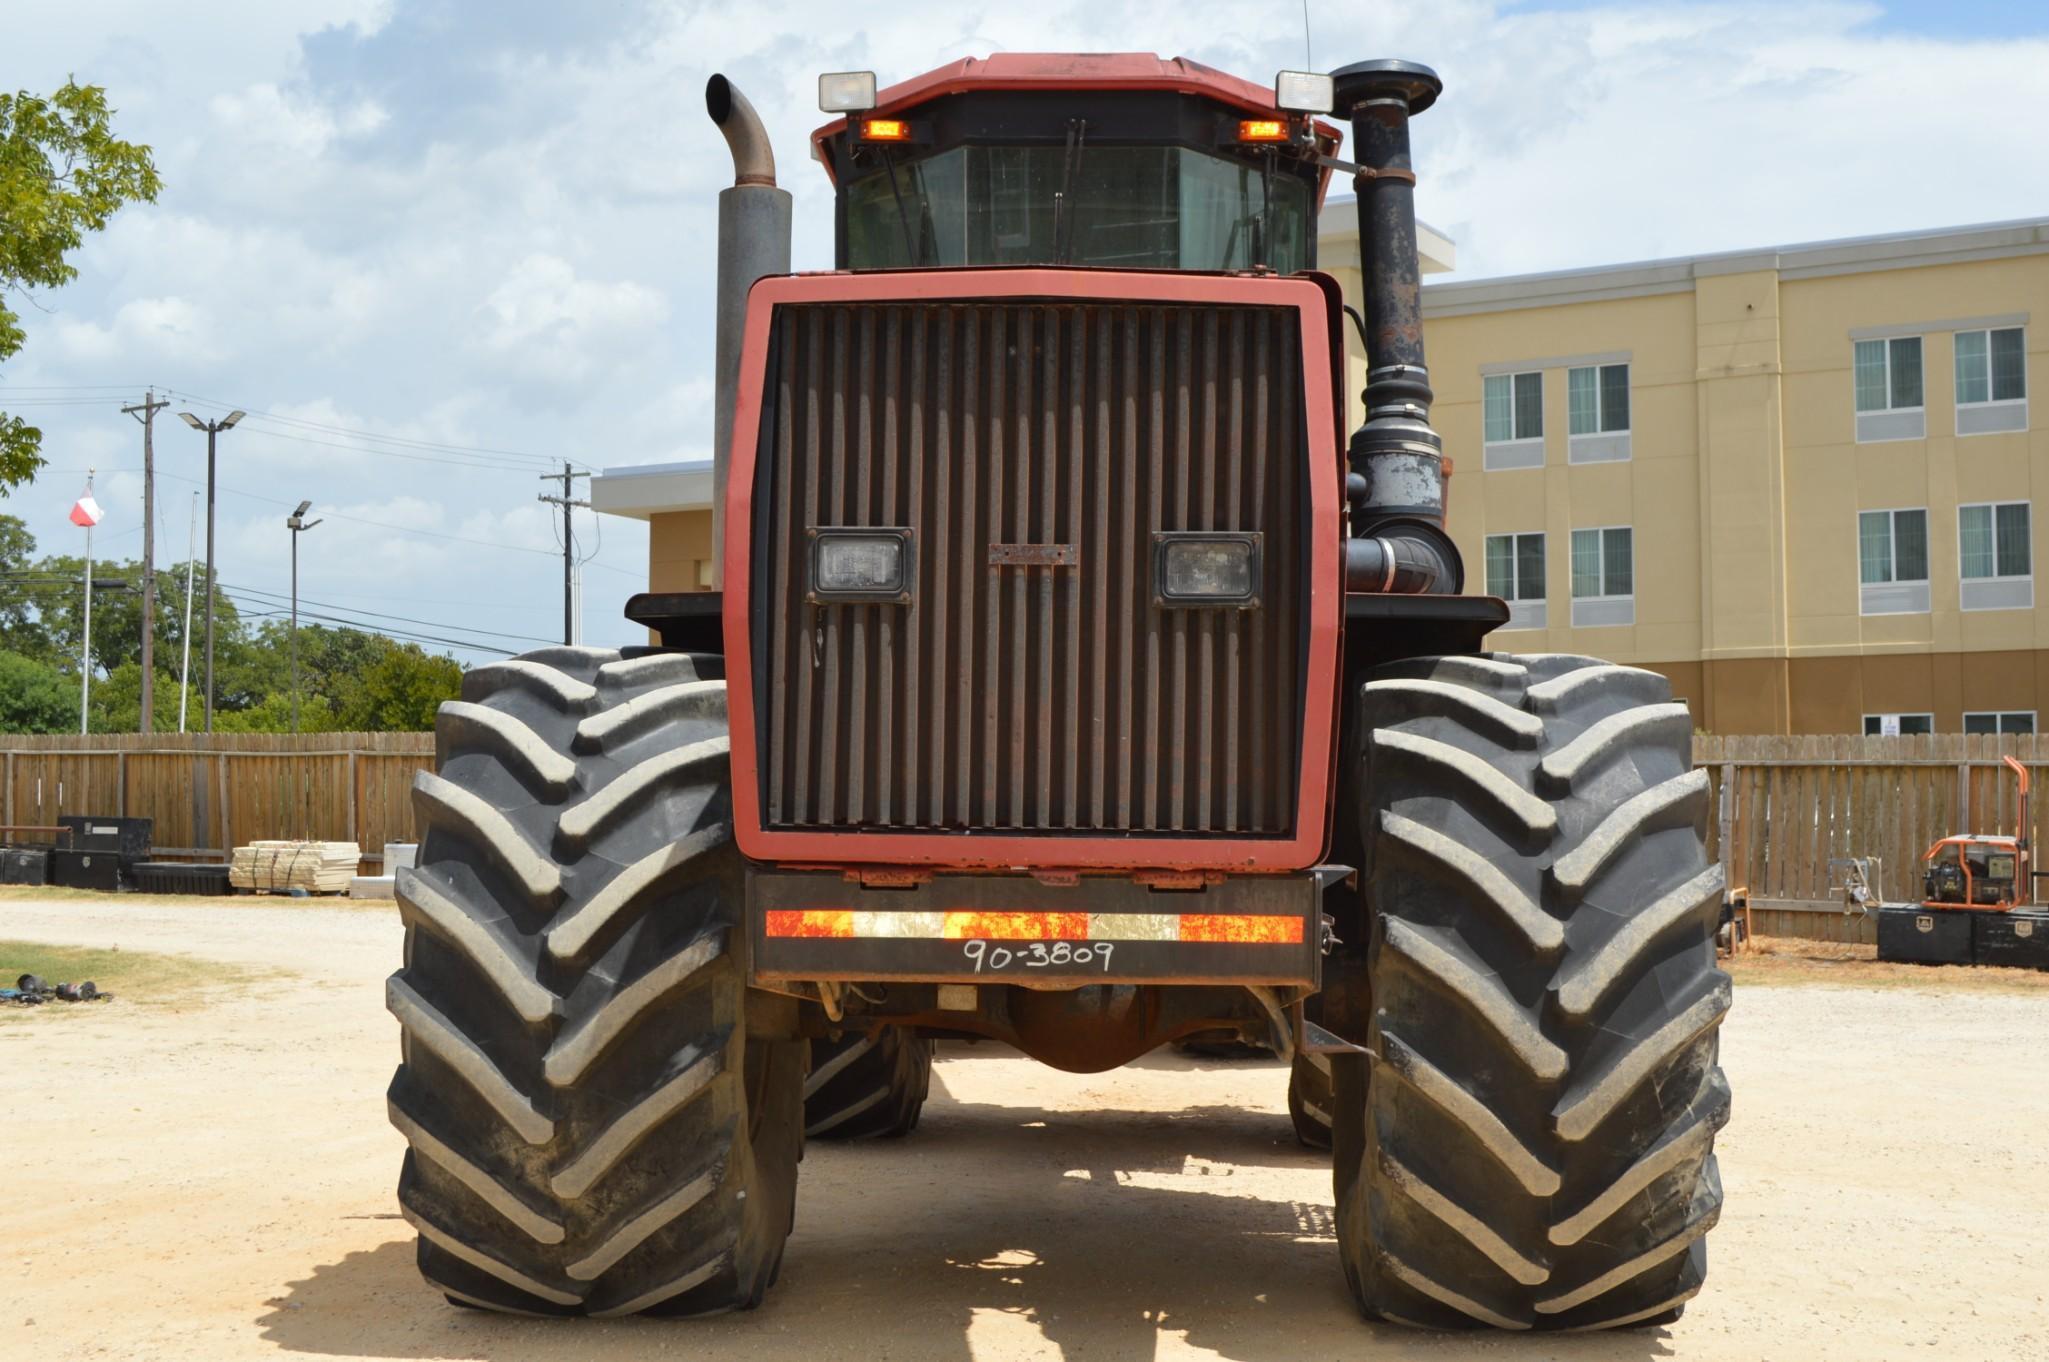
(1116, 161)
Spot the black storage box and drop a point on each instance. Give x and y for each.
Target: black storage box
(2019, 939)
(128, 838)
(85, 869)
(24, 865)
(1925, 936)
(175, 877)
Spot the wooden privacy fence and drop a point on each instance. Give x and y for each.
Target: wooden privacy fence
(1785, 806)
(210, 794)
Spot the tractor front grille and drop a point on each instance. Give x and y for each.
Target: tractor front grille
(1012, 693)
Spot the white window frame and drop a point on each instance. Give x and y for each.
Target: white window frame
(1890, 422)
(1606, 610)
(1999, 718)
(1897, 596)
(1601, 444)
(1994, 415)
(1898, 718)
(1996, 592)
(1523, 612)
(1518, 451)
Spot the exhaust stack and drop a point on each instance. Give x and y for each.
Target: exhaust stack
(754, 241)
(1397, 460)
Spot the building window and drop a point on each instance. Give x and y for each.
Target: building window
(1603, 577)
(1889, 389)
(1515, 573)
(1900, 725)
(1892, 562)
(1597, 413)
(2005, 723)
(1992, 381)
(1995, 557)
(1514, 415)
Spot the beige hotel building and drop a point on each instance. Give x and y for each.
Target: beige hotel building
(1798, 480)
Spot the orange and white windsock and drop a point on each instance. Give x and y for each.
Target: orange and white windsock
(86, 511)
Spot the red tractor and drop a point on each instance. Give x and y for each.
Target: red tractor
(1073, 682)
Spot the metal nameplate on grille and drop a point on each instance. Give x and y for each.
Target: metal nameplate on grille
(1034, 555)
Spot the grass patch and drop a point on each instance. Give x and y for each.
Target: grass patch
(1781, 961)
(178, 982)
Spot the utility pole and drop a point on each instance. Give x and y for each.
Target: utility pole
(146, 414)
(298, 525)
(567, 501)
(212, 429)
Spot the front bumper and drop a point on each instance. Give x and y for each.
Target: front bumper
(1013, 929)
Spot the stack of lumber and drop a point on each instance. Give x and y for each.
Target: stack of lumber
(280, 867)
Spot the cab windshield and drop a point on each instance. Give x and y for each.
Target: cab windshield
(1128, 207)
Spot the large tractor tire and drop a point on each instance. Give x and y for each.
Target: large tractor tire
(592, 1128)
(1530, 1144)
(866, 1084)
(1309, 1099)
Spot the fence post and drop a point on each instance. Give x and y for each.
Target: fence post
(1963, 797)
(352, 798)
(7, 816)
(121, 780)
(227, 833)
(1723, 824)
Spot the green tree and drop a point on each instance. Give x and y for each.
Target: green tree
(401, 691)
(63, 174)
(17, 566)
(35, 697)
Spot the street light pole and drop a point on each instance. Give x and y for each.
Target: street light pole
(298, 525)
(212, 429)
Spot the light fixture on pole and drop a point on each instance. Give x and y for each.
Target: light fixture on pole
(297, 523)
(185, 634)
(212, 429)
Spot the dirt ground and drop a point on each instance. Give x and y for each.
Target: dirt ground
(209, 1176)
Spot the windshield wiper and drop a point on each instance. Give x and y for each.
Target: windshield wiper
(1063, 215)
(914, 252)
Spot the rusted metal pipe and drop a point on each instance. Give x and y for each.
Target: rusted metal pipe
(1396, 457)
(754, 241)
(753, 157)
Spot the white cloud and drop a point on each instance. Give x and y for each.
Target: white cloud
(553, 323)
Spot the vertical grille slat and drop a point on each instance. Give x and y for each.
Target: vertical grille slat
(1055, 695)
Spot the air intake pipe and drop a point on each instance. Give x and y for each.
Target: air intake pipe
(754, 242)
(1396, 483)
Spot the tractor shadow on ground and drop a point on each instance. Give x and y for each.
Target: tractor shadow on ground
(993, 1228)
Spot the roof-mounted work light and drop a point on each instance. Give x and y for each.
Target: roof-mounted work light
(1304, 92)
(846, 91)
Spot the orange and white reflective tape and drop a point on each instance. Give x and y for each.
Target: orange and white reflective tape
(1244, 929)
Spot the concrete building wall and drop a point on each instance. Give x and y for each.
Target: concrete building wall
(1745, 476)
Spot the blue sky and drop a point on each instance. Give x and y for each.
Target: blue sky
(436, 245)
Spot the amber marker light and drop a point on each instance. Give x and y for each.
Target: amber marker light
(885, 130)
(1262, 130)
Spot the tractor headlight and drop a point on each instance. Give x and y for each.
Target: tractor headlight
(1304, 92)
(846, 91)
(1193, 568)
(860, 565)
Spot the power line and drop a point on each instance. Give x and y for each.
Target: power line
(527, 457)
(378, 524)
(373, 614)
